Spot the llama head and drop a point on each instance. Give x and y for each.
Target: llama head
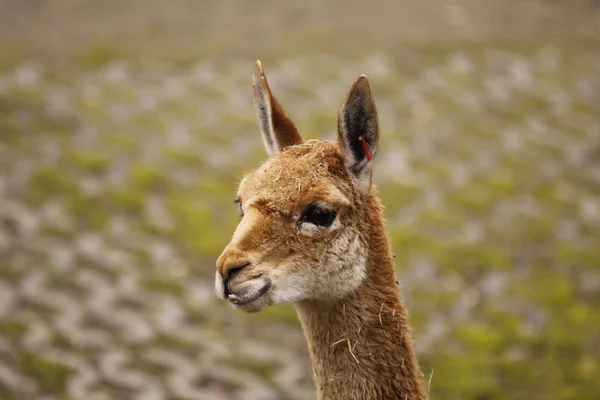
(301, 235)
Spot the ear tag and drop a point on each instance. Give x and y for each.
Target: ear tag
(365, 147)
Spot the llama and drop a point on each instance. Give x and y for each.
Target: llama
(312, 234)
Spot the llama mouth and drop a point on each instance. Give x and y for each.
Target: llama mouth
(247, 297)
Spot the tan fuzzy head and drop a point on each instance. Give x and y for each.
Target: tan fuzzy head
(301, 233)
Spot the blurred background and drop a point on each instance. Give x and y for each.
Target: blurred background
(125, 127)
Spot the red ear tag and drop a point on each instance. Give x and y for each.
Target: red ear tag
(365, 147)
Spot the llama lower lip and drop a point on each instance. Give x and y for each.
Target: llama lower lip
(243, 299)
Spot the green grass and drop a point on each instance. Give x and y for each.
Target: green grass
(50, 375)
(13, 330)
(159, 284)
(505, 258)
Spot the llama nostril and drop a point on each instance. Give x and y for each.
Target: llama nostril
(230, 275)
(228, 289)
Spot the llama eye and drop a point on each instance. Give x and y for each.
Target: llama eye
(318, 216)
(239, 203)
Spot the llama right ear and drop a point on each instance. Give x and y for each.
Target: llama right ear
(358, 132)
(277, 129)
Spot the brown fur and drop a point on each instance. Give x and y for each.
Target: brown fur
(361, 346)
(340, 278)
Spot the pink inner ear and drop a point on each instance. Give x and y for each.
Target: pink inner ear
(365, 147)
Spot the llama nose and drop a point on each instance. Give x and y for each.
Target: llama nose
(228, 264)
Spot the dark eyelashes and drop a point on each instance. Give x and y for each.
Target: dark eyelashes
(313, 214)
(318, 216)
(239, 202)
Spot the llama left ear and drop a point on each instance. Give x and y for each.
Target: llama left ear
(277, 129)
(358, 132)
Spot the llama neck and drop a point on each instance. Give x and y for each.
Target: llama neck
(361, 346)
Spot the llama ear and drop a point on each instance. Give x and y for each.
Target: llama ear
(277, 129)
(358, 132)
